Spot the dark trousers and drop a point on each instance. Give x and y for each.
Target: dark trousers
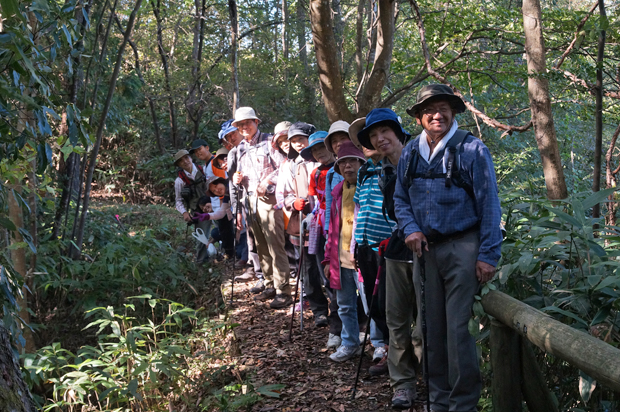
(368, 261)
(313, 285)
(292, 253)
(225, 233)
(335, 324)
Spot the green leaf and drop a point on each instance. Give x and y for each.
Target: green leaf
(7, 223)
(272, 391)
(597, 198)
(10, 8)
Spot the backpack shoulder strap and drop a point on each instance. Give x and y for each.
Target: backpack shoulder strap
(453, 166)
(184, 177)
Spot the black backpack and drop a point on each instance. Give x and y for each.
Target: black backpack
(453, 166)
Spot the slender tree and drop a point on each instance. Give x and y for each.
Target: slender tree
(540, 103)
(102, 121)
(598, 146)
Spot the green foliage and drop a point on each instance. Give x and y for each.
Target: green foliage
(140, 359)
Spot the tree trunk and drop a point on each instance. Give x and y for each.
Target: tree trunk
(102, 121)
(164, 62)
(611, 179)
(284, 27)
(325, 47)
(370, 92)
(94, 49)
(18, 258)
(598, 146)
(68, 174)
(234, 24)
(540, 103)
(15, 394)
(303, 55)
(359, 36)
(194, 100)
(136, 55)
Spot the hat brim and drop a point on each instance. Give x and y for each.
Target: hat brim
(455, 102)
(337, 164)
(354, 129)
(214, 182)
(328, 139)
(244, 118)
(363, 135)
(306, 152)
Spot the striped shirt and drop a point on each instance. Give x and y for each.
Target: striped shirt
(372, 226)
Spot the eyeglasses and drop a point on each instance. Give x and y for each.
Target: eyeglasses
(431, 111)
(349, 161)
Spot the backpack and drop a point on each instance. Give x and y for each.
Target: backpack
(452, 176)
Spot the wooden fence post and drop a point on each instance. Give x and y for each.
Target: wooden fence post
(506, 365)
(535, 390)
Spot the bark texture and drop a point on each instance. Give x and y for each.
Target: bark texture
(598, 146)
(325, 47)
(14, 393)
(540, 103)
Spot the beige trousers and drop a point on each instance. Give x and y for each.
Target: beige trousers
(268, 227)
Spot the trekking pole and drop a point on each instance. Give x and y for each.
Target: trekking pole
(301, 269)
(232, 276)
(290, 329)
(424, 334)
(375, 291)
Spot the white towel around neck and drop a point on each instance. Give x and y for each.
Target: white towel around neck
(425, 150)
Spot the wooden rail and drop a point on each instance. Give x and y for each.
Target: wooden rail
(515, 320)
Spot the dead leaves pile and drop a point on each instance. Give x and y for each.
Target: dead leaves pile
(305, 378)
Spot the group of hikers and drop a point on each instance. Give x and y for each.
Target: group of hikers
(358, 205)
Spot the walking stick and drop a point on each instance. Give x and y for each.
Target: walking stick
(232, 280)
(301, 270)
(424, 334)
(299, 266)
(375, 291)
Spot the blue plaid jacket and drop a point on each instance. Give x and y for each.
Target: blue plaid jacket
(427, 206)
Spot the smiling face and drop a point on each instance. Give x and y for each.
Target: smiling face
(337, 139)
(436, 118)
(321, 154)
(185, 163)
(221, 162)
(384, 140)
(299, 142)
(218, 189)
(247, 128)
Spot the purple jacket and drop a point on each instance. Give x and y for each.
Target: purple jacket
(332, 247)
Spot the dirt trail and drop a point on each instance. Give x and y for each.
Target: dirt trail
(312, 381)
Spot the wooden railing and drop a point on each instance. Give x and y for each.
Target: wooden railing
(516, 375)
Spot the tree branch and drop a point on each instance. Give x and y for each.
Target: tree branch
(486, 119)
(572, 44)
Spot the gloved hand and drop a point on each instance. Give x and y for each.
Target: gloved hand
(305, 224)
(201, 217)
(383, 246)
(299, 204)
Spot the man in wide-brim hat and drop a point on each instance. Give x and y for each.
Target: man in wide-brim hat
(448, 209)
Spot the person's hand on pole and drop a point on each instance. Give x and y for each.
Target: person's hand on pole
(484, 271)
(299, 204)
(187, 217)
(414, 242)
(237, 178)
(239, 223)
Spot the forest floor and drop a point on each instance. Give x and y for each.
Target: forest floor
(311, 381)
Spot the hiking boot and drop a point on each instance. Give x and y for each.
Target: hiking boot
(320, 321)
(379, 353)
(245, 277)
(344, 353)
(306, 306)
(259, 287)
(380, 368)
(281, 301)
(362, 336)
(240, 264)
(403, 398)
(268, 293)
(333, 341)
